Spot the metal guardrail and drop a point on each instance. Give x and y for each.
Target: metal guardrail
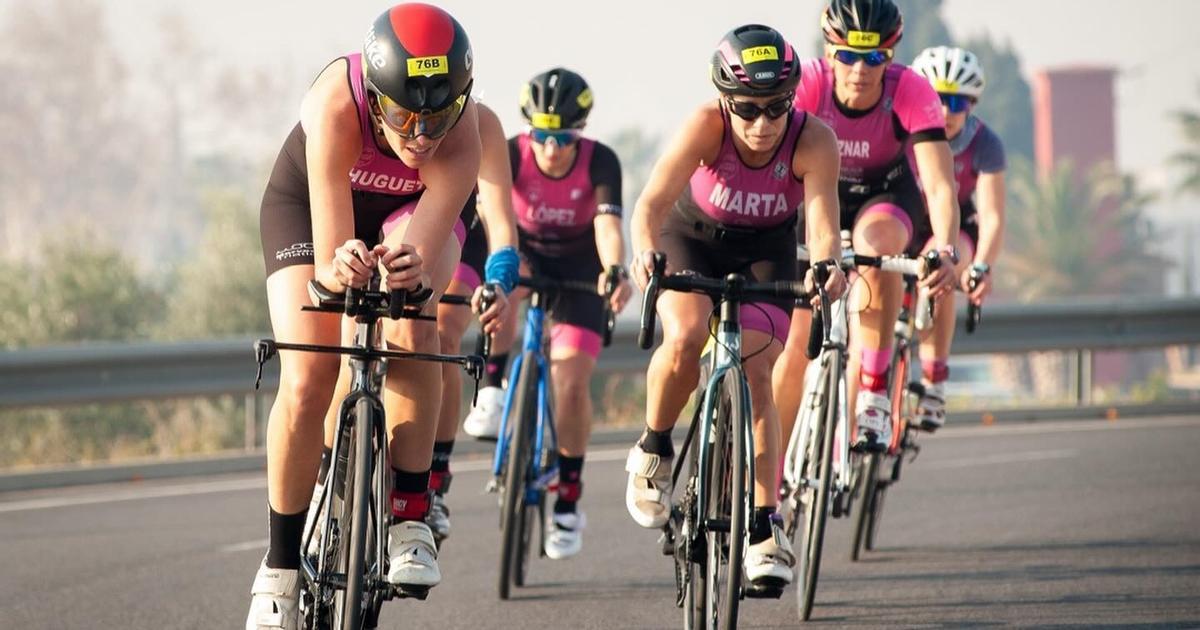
(118, 372)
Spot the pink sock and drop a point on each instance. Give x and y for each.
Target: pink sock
(874, 370)
(935, 370)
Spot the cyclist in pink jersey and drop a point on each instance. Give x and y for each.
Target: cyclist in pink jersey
(979, 165)
(566, 193)
(877, 108)
(375, 132)
(724, 198)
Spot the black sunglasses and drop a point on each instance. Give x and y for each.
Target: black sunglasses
(749, 111)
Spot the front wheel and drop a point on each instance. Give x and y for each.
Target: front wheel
(355, 565)
(514, 517)
(725, 523)
(816, 513)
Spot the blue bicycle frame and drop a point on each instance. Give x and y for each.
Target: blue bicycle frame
(545, 438)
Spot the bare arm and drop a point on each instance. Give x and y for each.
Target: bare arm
(333, 142)
(936, 166)
(989, 195)
(697, 140)
(495, 182)
(818, 162)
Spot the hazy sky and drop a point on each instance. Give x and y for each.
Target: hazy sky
(647, 60)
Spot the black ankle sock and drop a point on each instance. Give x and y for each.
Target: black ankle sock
(409, 482)
(761, 529)
(570, 470)
(410, 495)
(285, 530)
(657, 442)
(497, 365)
(326, 458)
(441, 456)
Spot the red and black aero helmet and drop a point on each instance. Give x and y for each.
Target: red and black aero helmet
(556, 99)
(419, 57)
(862, 23)
(755, 60)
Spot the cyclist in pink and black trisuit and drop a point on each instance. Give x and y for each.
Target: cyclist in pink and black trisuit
(724, 198)
(877, 108)
(979, 165)
(566, 194)
(377, 130)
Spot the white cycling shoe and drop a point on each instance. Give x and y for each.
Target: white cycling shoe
(769, 563)
(275, 599)
(931, 410)
(648, 494)
(483, 421)
(413, 555)
(564, 534)
(874, 422)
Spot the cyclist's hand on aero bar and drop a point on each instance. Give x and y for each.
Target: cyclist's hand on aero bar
(983, 286)
(643, 266)
(493, 317)
(353, 264)
(404, 268)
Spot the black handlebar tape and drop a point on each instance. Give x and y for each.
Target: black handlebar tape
(353, 297)
(483, 346)
(816, 334)
(646, 332)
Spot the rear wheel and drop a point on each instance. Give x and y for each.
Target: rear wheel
(866, 482)
(513, 516)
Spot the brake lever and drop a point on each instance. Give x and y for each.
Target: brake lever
(264, 350)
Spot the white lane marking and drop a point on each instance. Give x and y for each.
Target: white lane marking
(999, 458)
(1061, 426)
(235, 485)
(260, 543)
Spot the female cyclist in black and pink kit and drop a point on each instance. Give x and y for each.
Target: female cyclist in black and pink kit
(378, 129)
(979, 165)
(724, 198)
(566, 194)
(877, 109)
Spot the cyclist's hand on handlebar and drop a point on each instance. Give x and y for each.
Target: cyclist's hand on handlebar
(835, 286)
(643, 266)
(621, 294)
(404, 268)
(493, 317)
(353, 264)
(940, 281)
(983, 286)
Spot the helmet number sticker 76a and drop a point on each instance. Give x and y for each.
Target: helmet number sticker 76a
(428, 66)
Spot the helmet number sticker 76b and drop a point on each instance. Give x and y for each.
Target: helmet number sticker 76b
(428, 66)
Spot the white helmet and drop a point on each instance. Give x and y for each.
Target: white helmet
(951, 70)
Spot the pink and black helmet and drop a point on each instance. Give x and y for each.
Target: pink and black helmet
(755, 60)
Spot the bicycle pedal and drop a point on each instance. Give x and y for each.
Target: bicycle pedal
(405, 591)
(753, 591)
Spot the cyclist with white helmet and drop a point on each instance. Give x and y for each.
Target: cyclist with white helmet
(979, 165)
(724, 198)
(391, 128)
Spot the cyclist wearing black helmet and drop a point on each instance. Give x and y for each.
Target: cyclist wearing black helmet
(877, 109)
(724, 198)
(377, 131)
(566, 193)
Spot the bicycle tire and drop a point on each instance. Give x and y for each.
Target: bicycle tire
(524, 413)
(868, 478)
(726, 475)
(694, 585)
(875, 516)
(352, 610)
(817, 509)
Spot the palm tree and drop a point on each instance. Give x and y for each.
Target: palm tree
(1188, 159)
(1075, 236)
(1071, 236)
